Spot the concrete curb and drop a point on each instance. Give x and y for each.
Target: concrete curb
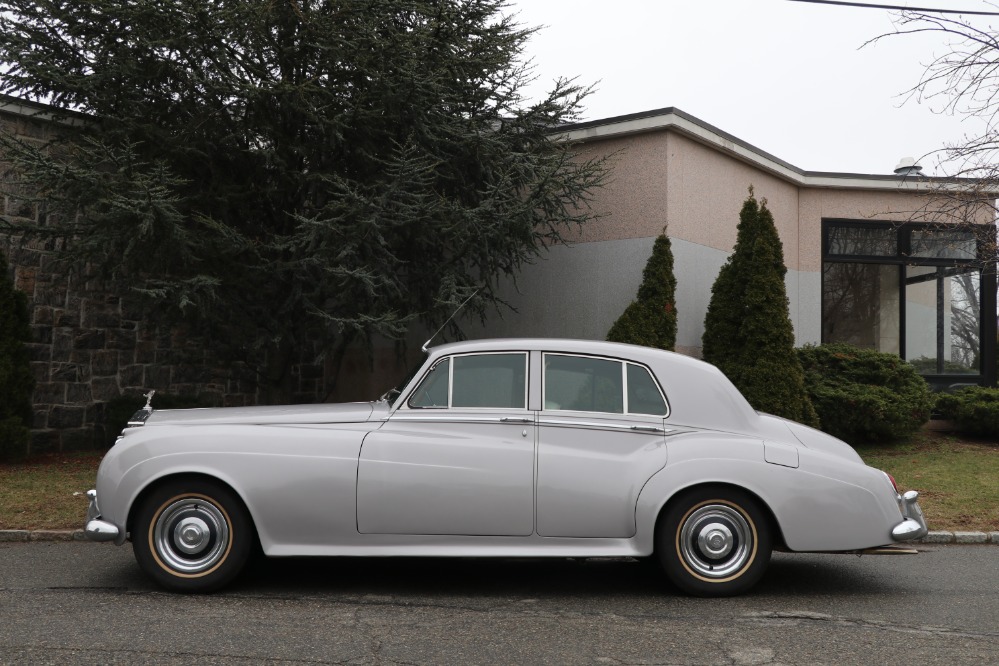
(960, 537)
(934, 537)
(13, 536)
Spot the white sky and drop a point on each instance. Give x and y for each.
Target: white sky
(790, 78)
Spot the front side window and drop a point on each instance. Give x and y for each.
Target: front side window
(587, 384)
(434, 390)
(491, 381)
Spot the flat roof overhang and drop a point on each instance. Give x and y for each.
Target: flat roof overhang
(675, 120)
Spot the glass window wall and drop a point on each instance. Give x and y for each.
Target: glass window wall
(917, 291)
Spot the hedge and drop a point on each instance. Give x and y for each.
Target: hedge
(864, 395)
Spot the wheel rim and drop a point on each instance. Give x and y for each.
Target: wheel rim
(716, 541)
(191, 535)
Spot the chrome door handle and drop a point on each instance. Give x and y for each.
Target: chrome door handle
(648, 428)
(507, 419)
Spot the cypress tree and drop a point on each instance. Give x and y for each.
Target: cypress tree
(650, 319)
(747, 330)
(16, 381)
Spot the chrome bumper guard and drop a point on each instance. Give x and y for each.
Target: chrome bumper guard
(914, 525)
(97, 529)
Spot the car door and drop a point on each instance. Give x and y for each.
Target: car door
(458, 457)
(601, 436)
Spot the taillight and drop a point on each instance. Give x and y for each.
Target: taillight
(892, 479)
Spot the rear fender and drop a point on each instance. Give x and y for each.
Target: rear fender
(825, 504)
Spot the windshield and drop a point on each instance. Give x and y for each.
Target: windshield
(393, 393)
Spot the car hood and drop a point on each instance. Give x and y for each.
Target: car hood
(351, 412)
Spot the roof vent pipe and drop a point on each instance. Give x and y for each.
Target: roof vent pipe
(907, 167)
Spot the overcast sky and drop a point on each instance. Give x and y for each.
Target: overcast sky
(790, 78)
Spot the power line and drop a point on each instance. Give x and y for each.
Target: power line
(927, 10)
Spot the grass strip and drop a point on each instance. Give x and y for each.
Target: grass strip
(957, 479)
(48, 492)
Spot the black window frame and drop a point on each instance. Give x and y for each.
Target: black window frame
(902, 258)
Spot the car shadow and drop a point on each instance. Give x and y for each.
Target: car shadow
(787, 576)
(453, 576)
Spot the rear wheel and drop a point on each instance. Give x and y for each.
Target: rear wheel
(714, 542)
(192, 535)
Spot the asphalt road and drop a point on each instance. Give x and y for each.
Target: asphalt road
(81, 603)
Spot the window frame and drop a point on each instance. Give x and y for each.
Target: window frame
(903, 258)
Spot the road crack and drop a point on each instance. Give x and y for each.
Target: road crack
(798, 617)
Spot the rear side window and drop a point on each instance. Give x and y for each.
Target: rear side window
(491, 381)
(590, 384)
(644, 396)
(583, 384)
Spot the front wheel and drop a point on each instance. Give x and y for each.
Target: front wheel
(714, 542)
(192, 535)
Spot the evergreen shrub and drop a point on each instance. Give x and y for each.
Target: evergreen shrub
(974, 410)
(650, 319)
(748, 333)
(864, 395)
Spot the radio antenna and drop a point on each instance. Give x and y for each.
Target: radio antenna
(427, 343)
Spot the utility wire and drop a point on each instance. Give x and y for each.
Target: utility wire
(926, 10)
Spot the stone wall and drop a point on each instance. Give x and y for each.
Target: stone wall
(90, 345)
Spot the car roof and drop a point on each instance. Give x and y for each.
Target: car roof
(698, 392)
(574, 346)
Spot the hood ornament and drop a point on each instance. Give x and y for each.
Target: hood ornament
(149, 400)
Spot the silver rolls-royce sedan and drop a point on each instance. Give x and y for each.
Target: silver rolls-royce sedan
(499, 448)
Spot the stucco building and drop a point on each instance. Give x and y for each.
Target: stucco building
(860, 269)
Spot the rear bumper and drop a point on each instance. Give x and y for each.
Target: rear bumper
(97, 529)
(914, 525)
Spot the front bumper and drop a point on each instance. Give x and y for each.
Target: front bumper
(97, 529)
(914, 525)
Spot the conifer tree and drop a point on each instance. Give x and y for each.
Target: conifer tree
(747, 329)
(16, 381)
(284, 177)
(650, 319)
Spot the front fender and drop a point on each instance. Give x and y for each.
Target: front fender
(296, 482)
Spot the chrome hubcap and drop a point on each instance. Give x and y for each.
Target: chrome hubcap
(716, 541)
(191, 535)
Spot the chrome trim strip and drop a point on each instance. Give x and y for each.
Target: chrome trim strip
(455, 418)
(596, 424)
